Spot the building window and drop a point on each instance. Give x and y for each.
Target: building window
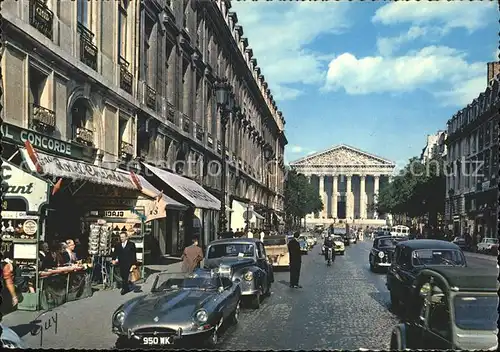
(84, 13)
(41, 117)
(123, 29)
(81, 119)
(148, 57)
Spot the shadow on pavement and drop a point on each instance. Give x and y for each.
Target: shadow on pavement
(283, 282)
(24, 329)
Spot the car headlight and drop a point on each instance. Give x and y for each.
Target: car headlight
(248, 276)
(120, 317)
(201, 316)
(381, 254)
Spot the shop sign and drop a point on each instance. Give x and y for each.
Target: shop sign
(17, 215)
(22, 185)
(153, 208)
(30, 227)
(20, 135)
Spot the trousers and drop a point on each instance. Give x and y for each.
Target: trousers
(326, 254)
(295, 273)
(125, 274)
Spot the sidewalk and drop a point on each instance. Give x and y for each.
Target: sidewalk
(492, 258)
(84, 324)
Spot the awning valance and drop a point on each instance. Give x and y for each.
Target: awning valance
(46, 164)
(258, 216)
(188, 189)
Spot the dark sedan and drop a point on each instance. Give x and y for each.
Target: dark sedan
(381, 253)
(410, 257)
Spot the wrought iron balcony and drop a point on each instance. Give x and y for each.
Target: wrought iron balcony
(43, 118)
(150, 98)
(186, 124)
(41, 17)
(199, 132)
(210, 140)
(126, 149)
(88, 51)
(171, 113)
(219, 147)
(83, 135)
(125, 76)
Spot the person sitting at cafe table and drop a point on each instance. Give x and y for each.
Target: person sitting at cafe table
(70, 255)
(59, 251)
(45, 257)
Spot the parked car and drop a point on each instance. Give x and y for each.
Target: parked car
(381, 253)
(244, 259)
(180, 308)
(456, 309)
(460, 241)
(487, 244)
(412, 256)
(277, 251)
(11, 340)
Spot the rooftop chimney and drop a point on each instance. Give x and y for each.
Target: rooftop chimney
(493, 70)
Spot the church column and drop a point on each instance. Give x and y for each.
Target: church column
(322, 196)
(310, 215)
(362, 197)
(376, 180)
(349, 204)
(334, 196)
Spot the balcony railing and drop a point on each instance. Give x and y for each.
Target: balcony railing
(88, 51)
(83, 135)
(43, 118)
(219, 147)
(186, 124)
(41, 17)
(199, 132)
(150, 98)
(210, 140)
(171, 113)
(126, 150)
(125, 76)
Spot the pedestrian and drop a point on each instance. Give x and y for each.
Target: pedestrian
(231, 233)
(295, 260)
(125, 256)
(191, 257)
(249, 233)
(261, 235)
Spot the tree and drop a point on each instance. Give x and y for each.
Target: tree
(301, 198)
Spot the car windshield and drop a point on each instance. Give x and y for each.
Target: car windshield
(386, 242)
(279, 241)
(337, 238)
(231, 250)
(490, 240)
(474, 312)
(200, 279)
(437, 257)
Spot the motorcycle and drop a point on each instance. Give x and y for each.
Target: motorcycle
(329, 262)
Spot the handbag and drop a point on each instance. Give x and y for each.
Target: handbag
(135, 275)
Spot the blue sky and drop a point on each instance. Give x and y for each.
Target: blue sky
(378, 76)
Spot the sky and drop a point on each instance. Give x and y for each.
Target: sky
(377, 76)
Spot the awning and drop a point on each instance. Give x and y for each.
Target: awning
(188, 189)
(258, 216)
(151, 191)
(46, 164)
(249, 208)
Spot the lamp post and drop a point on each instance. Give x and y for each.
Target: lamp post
(225, 103)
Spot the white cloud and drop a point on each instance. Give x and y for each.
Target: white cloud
(427, 68)
(295, 149)
(464, 93)
(496, 55)
(388, 45)
(278, 33)
(448, 14)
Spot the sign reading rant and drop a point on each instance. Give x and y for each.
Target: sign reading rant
(74, 169)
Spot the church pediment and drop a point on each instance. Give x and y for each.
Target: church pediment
(342, 155)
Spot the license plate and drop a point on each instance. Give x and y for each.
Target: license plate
(158, 340)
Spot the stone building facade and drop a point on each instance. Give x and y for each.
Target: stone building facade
(472, 165)
(133, 80)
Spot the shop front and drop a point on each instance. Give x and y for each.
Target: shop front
(200, 219)
(25, 198)
(79, 190)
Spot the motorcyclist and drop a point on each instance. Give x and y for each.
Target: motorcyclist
(328, 243)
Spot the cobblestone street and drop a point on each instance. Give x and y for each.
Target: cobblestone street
(340, 307)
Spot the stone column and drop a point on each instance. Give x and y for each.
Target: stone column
(334, 196)
(376, 180)
(362, 197)
(310, 215)
(349, 205)
(322, 195)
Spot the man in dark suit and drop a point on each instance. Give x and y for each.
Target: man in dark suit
(125, 256)
(295, 260)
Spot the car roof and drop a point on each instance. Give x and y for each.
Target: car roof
(235, 240)
(469, 278)
(428, 244)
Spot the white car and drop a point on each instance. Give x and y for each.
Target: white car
(487, 244)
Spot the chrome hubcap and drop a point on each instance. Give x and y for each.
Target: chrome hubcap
(214, 337)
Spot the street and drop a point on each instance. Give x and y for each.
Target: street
(344, 306)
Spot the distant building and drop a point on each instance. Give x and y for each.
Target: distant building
(435, 146)
(472, 164)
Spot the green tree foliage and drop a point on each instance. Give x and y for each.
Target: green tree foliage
(418, 190)
(301, 198)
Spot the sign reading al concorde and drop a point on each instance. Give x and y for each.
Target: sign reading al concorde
(18, 184)
(40, 141)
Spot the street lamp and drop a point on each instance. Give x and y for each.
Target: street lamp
(225, 103)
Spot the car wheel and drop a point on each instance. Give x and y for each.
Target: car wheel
(256, 301)
(236, 314)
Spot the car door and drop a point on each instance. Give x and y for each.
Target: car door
(393, 272)
(406, 275)
(269, 267)
(438, 330)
